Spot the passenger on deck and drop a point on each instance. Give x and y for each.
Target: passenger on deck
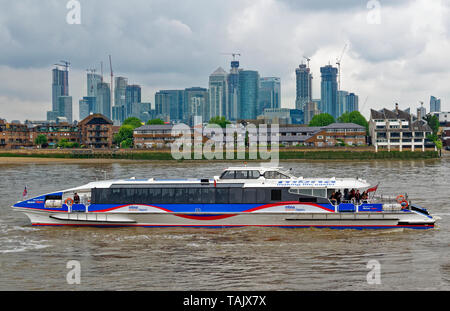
(346, 195)
(338, 196)
(357, 197)
(352, 195)
(364, 197)
(76, 198)
(333, 198)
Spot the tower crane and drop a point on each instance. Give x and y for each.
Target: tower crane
(112, 81)
(232, 54)
(338, 62)
(307, 60)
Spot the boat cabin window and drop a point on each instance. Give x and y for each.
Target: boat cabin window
(322, 193)
(275, 175)
(276, 195)
(240, 174)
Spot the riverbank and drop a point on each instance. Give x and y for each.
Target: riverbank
(109, 156)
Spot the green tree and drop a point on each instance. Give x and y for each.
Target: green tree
(435, 139)
(41, 140)
(354, 117)
(155, 122)
(221, 121)
(322, 119)
(125, 132)
(433, 122)
(133, 121)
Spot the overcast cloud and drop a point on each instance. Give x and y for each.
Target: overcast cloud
(177, 44)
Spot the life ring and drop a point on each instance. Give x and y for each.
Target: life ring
(400, 198)
(406, 204)
(69, 201)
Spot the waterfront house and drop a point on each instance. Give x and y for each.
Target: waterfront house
(96, 131)
(398, 129)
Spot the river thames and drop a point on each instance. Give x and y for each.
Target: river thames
(35, 258)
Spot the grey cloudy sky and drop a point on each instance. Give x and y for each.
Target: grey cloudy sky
(163, 44)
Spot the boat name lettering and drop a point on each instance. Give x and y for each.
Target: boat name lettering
(307, 182)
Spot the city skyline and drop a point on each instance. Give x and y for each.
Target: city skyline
(406, 66)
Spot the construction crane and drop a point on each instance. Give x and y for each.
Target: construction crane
(307, 60)
(101, 71)
(232, 54)
(112, 81)
(338, 62)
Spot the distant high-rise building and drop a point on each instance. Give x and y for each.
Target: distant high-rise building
(196, 103)
(65, 107)
(269, 93)
(352, 103)
(103, 99)
(310, 111)
(169, 105)
(232, 108)
(92, 80)
(328, 89)
(60, 86)
(218, 93)
(132, 96)
(421, 111)
(60, 95)
(87, 105)
(83, 108)
(248, 94)
(304, 86)
(435, 104)
(119, 108)
(341, 104)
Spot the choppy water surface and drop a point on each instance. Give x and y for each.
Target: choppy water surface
(35, 258)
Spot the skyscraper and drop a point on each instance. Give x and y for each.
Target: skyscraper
(328, 90)
(310, 111)
(60, 89)
(269, 94)
(60, 86)
(132, 96)
(196, 103)
(119, 108)
(352, 103)
(169, 105)
(103, 99)
(232, 109)
(65, 107)
(92, 80)
(342, 103)
(218, 93)
(87, 106)
(248, 94)
(304, 86)
(435, 104)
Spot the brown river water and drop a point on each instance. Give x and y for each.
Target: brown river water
(35, 258)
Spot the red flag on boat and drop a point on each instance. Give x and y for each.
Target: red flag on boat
(25, 191)
(372, 189)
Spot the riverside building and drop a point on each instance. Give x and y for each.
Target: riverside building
(399, 130)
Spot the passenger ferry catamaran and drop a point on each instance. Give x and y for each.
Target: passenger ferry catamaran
(240, 196)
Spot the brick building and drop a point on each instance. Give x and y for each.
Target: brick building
(96, 131)
(56, 132)
(14, 136)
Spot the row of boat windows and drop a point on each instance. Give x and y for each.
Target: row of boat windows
(188, 195)
(252, 174)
